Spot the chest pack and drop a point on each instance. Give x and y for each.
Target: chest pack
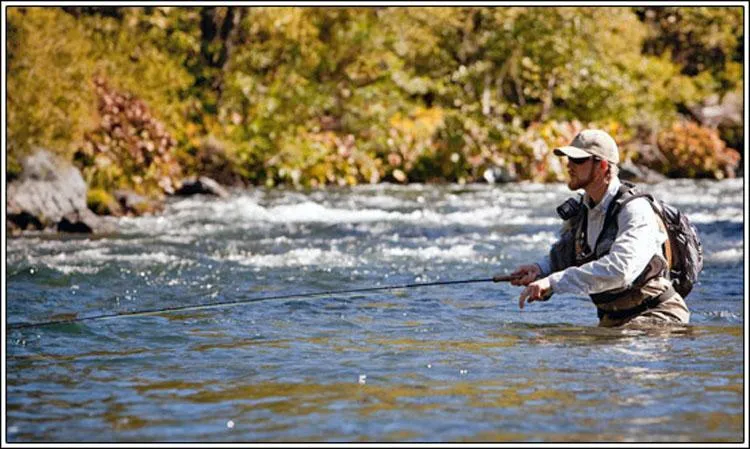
(683, 249)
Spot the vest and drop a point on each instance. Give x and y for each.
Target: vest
(573, 250)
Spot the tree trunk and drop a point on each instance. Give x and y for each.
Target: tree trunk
(219, 30)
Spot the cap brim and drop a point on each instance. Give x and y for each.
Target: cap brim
(573, 152)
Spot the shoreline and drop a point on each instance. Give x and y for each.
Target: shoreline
(110, 222)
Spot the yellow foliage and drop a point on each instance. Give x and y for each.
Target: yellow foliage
(49, 102)
(421, 123)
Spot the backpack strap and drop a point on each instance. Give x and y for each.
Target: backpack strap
(668, 244)
(617, 205)
(614, 208)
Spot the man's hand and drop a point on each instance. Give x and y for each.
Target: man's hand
(536, 291)
(525, 274)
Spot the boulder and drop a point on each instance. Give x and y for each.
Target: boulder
(639, 173)
(201, 185)
(50, 194)
(715, 111)
(81, 221)
(133, 204)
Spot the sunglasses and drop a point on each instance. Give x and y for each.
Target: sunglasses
(581, 160)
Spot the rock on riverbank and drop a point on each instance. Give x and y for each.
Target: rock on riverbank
(50, 195)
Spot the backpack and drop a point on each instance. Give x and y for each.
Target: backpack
(684, 244)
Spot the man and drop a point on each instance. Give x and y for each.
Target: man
(611, 248)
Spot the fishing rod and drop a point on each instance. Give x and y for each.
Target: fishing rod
(498, 278)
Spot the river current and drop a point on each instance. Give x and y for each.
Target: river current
(448, 363)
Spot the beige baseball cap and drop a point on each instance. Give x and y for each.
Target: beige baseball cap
(591, 142)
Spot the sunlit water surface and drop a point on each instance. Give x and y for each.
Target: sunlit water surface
(431, 364)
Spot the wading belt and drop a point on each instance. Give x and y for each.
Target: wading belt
(637, 310)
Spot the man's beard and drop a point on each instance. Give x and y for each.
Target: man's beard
(581, 183)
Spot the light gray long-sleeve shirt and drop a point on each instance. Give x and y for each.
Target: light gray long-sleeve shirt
(639, 237)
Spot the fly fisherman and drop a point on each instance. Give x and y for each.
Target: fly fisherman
(621, 261)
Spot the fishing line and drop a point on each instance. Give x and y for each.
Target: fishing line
(499, 278)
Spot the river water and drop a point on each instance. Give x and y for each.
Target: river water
(451, 363)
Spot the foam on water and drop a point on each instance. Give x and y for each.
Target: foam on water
(479, 205)
(294, 258)
(90, 261)
(728, 214)
(248, 210)
(312, 212)
(434, 253)
(382, 211)
(704, 202)
(385, 202)
(732, 255)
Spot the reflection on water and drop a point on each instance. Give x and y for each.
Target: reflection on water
(404, 389)
(437, 364)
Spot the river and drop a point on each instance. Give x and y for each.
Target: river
(448, 363)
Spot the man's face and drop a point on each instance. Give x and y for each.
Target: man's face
(581, 172)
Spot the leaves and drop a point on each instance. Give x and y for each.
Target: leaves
(693, 151)
(331, 95)
(130, 148)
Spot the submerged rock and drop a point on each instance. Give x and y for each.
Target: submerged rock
(499, 175)
(50, 194)
(201, 185)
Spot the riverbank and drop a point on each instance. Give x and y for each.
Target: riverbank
(51, 195)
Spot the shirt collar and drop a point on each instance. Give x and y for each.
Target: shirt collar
(601, 207)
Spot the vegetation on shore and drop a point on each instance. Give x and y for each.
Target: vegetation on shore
(139, 97)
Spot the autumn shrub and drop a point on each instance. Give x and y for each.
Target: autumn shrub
(532, 151)
(694, 151)
(316, 159)
(466, 146)
(412, 149)
(217, 160)
(129, 149)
